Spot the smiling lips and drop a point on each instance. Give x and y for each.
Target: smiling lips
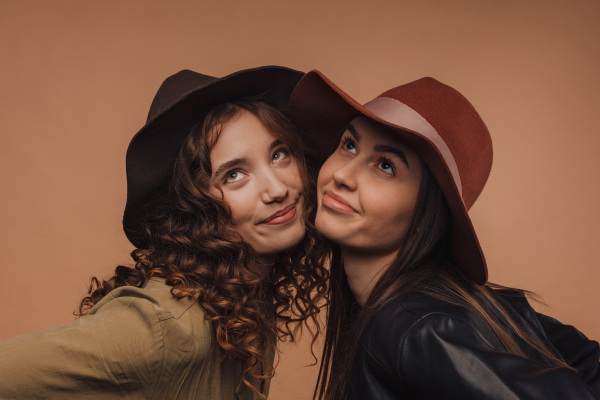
(337, 203)
(282, 216)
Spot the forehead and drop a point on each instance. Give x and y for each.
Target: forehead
(244, 135)
(371, 131)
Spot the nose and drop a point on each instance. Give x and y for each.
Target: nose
(274, 188)
(345, 176)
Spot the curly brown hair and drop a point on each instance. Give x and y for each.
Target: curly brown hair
(193, 246)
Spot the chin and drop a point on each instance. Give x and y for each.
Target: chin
(328, 228)
(281, 242)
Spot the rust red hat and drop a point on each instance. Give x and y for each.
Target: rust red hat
(435, 120)
(181, 102)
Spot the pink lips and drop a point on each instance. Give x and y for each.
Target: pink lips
(337, 203)
(282, 216)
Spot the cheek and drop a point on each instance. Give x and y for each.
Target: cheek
(291, 177)
(241, 211)
(295, 178)
(325, 173)
(389, 213)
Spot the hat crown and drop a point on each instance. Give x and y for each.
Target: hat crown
(174, 88)
(458, 124)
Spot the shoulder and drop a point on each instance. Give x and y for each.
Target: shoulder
(155, 296)
(152, 311)
(416, 313)
(159, 325)
(415, 326)
(433, 349)
(152, 307)
(412, 335)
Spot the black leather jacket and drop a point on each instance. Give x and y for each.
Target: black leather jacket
(419, 347)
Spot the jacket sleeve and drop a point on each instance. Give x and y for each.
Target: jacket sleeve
(443, 357)
(114, 353)
(575, 348)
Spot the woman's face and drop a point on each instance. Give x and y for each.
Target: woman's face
(367, 190)
(261, 182)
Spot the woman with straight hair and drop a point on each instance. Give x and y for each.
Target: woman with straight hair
(218, 207)
(411, 315)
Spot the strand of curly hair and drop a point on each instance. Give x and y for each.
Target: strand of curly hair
(194, 248)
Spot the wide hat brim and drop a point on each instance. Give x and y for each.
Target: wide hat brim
(323, 110)
(181, 102)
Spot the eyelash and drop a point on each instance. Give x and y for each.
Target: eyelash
(284, 150)
(390, 163)
(226, 176)
(347, 140)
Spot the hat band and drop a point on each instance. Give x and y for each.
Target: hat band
(398, 113)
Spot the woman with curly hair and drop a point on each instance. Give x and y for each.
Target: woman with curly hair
(411, 314)
(226, 261)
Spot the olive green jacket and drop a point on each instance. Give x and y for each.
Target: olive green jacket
(134, 344)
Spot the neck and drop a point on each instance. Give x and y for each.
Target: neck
(363, 271)
(264, 266)
(264, 272)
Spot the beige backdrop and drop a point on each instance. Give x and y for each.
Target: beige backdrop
(77, 79)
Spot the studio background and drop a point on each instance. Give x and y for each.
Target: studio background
(78, 77)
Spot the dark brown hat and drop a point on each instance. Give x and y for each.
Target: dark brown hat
(181, 102)
(435, 120)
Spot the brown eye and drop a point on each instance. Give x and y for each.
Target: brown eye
(348, 145)
(386, 166)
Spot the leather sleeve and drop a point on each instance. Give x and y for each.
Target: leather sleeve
(575, 348)
(442, 357)
(445, 357)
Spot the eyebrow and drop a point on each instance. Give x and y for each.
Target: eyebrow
(381, 148)
(353, 132)
(274, 144)
(394, 150)
(227, 165)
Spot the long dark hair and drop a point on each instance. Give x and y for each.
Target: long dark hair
(192, 245)
(422, 264)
